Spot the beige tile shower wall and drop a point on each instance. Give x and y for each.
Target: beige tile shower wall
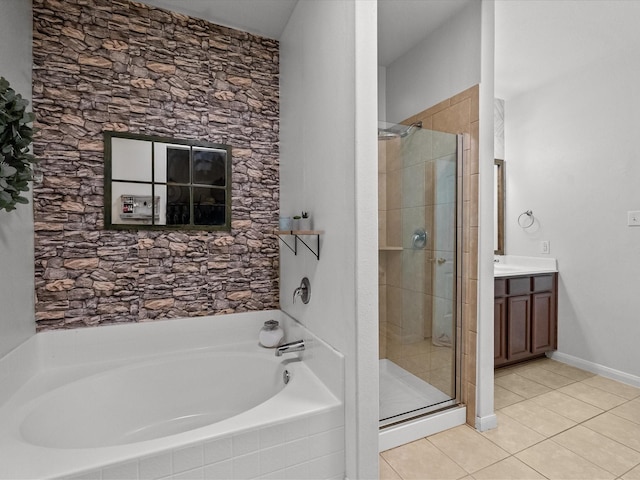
(382, 258)
(119, 65)
(460, 114)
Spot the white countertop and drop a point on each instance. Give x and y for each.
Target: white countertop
(511, 265)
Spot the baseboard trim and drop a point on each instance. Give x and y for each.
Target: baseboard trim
(486, 423)
(596, 368)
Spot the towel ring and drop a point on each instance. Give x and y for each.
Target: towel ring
(526, 223)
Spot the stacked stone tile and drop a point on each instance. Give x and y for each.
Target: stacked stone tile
(124, 66)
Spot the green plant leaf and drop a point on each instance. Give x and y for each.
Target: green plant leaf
(15, 139)
(7, 170)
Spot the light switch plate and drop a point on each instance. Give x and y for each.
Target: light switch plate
(545, 246)
(633, 218)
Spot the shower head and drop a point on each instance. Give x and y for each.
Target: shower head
(384, 134)
(411, 128)
(398, 131)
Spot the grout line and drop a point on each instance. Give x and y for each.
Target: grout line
(390, 466)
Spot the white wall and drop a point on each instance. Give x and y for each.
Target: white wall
(446, 62)
(328, 166)
(17, 319)
(572, 157)
(485, 417)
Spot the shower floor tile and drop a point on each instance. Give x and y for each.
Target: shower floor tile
(402, 392)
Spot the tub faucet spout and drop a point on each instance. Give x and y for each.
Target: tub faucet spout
(296, 346)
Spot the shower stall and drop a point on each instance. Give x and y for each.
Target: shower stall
(418, 175)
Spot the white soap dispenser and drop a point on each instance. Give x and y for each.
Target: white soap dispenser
(271, 334)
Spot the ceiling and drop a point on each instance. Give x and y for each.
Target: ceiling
(404, 23)
(401, 23)
(536, 40)
(261, 17)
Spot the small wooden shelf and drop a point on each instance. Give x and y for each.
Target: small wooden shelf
(390, 249)
(299, 232)
(296, 237)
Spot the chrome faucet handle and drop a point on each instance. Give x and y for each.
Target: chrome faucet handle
(297, 293)
(303, 291)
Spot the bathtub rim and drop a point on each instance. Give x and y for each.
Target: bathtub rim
(58, 350)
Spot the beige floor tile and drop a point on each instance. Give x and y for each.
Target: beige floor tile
(503, 397)
(538, 418)
(501, 372)
(546, 377)
(592, 395)
(468, 448)
(508, 469)
(386, 472)
(511, 435)
(598, 449)
(554, 461)
(617, 388)
(567, 406)
(518, 367)
(421, 460)
(629, 410)
(616, 428)
(521, 386)
(536, 362)
(633, 474)
(566, 370)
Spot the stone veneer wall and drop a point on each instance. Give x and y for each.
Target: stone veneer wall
(119, 65)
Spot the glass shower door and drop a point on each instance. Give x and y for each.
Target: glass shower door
(417, 242)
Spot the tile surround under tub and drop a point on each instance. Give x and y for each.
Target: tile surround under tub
(316, 452)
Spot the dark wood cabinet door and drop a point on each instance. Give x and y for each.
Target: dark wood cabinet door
(499, 331)
(543, 319)
(525, 317)
(519, 327)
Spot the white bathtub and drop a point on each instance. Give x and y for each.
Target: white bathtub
(188, 398)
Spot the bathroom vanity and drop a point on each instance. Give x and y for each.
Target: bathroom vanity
(525, 309)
